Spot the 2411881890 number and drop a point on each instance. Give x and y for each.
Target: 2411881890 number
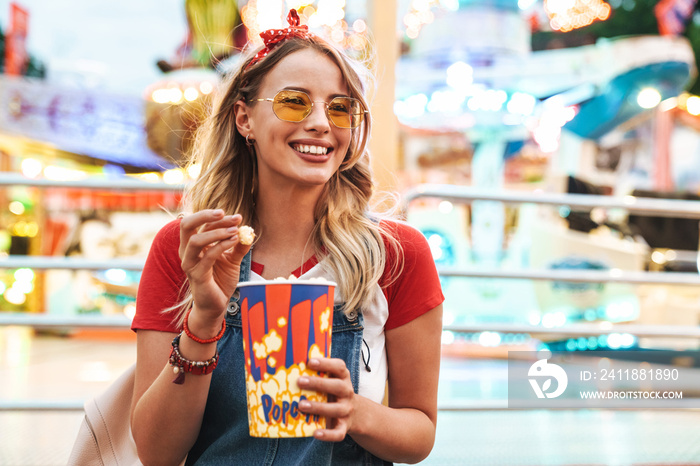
(639, 374)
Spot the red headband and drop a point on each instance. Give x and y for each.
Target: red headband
(272, 37)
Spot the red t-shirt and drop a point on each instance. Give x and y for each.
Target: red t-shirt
(416, 290)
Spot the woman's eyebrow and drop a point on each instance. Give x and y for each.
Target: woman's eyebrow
(308, 92)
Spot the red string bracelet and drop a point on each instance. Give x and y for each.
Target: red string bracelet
(186, 328)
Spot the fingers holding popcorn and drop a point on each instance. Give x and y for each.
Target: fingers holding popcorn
(211, 254)
(201, 231)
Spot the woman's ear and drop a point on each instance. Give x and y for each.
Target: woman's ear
(243, 120)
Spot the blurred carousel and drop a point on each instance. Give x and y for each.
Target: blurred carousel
(176, 104)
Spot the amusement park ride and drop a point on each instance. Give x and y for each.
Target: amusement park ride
(483, 80)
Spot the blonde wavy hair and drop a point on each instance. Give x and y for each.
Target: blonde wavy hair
(347, 233)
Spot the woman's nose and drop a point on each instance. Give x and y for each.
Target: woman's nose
(317, 119)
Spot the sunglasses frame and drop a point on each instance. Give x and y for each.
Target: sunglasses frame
(326, 104)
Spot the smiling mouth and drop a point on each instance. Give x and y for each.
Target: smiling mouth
(313, 150)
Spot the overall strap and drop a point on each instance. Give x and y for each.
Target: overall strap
(245, 266)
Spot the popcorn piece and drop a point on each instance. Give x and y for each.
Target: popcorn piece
(292, 277)
(321, 280)
(246, 234)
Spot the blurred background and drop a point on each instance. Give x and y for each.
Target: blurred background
(549, 150)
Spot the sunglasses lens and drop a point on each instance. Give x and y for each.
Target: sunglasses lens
(345, 112)
(291, 105)
(294, 106)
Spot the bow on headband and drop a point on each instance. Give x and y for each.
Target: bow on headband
(272, 37)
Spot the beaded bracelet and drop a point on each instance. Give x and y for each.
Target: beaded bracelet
(182, 365)
(186, 328)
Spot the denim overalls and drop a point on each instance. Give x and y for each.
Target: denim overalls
(224, 439)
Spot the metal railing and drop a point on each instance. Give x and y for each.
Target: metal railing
(642, 206)
(69, 263)
(121, 184)
(48, 321)
(657, 207)
(45, 321)
(639, 205)
(579, 276)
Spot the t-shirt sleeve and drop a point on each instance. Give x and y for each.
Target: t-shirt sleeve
(161, 284)
(416, 290)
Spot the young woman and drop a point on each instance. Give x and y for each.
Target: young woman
(284, 150)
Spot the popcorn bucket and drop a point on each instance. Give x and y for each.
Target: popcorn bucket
(285, 322)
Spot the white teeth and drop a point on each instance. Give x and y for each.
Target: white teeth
(317, 150)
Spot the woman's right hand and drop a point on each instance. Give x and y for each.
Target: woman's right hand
(211, 256)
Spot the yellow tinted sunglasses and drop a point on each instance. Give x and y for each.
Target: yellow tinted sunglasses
(294, 106)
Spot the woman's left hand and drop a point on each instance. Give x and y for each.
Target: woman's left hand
(340, 408)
